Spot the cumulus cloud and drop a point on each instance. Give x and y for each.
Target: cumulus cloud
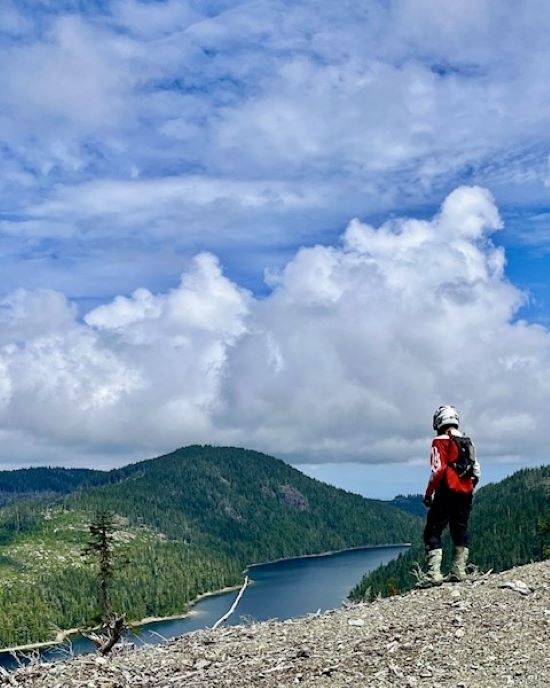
(158, 358)
(344, 359)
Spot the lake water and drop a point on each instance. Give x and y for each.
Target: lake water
(280, 590)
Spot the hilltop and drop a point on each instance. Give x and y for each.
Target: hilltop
(477, 634)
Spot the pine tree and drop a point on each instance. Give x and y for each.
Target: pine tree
(100, 546)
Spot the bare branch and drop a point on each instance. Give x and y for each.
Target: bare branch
(233, 606)
(159, 635)
(114, 630)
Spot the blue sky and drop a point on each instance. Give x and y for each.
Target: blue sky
(136, 136)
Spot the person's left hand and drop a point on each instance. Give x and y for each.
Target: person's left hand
(428, 501)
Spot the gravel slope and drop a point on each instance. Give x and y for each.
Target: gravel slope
(474, 634)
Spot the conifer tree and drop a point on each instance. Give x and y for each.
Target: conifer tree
(100, 547)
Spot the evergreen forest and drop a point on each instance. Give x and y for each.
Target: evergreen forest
(187, 523)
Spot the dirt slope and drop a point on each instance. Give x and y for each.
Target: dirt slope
(477, 634)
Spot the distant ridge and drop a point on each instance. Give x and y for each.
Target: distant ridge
(412, 504)
(27, 482)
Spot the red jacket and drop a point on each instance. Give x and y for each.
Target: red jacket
(444, 452)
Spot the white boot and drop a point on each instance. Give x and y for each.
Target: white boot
(458, 567)
(433, 575)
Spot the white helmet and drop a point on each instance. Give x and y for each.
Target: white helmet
(446, 415)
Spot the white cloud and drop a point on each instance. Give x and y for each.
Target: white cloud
(74, 77)
(136, 375)
(205, 301)
(256, 126)
(406, 96)
(135, 134)
(11, 21)
(133, 202)
(344, 360)
(153, 21)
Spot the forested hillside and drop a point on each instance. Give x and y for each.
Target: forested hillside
(187, 523)
(246, 504)
(32, 482)
(507, 528)
(47, 584)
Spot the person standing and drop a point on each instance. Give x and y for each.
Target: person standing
(455, 472)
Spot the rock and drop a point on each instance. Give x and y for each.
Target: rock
(292, 497)
(490, 639)
(392, 647)
(517, 586)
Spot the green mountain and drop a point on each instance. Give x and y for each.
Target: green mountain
(187, 523)
(245, 504)
(33, 482)
(508, 527)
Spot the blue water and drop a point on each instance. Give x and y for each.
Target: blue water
(280, 590)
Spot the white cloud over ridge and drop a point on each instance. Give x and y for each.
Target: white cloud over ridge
(345, 359)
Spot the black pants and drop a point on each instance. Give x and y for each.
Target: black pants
(451, 508)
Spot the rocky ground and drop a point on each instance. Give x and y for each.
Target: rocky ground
(487, 632)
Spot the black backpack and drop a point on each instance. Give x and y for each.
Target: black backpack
(466, 459)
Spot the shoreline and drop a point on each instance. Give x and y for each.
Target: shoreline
(325, 554)
(189, 612)
(63, 635)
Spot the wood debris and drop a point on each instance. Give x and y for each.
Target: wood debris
(469, 634)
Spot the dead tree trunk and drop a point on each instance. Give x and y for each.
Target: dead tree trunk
(110, 634)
